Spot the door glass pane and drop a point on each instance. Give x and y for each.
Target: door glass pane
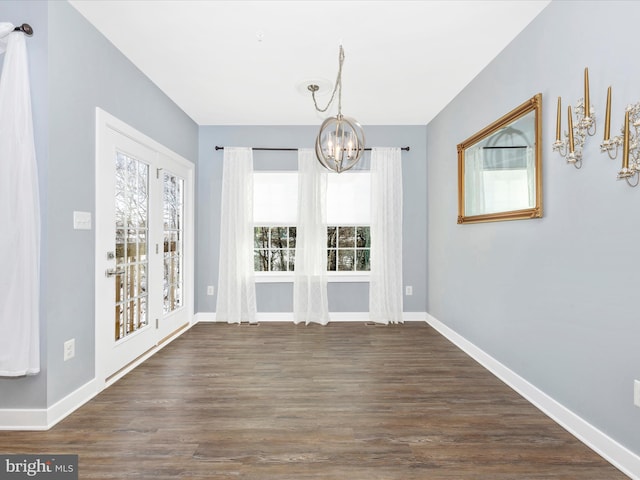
(173, 211)
(131, 233)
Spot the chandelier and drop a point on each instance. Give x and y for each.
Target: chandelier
(340, 142)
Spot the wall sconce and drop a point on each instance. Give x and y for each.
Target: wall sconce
(628, 140)
(585, 125)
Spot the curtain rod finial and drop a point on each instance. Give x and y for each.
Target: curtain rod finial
(24, 28)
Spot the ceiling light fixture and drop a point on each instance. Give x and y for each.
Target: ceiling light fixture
(340, 142)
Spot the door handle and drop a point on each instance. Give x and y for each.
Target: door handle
(112, 272)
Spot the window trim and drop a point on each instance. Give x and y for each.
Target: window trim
(332, 277)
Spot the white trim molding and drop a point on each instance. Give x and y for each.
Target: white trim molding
(333, 317)
(615, 453)
(45, 418)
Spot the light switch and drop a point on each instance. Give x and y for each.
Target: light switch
(82, 220)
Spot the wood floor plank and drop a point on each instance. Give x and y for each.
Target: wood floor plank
(287, 402)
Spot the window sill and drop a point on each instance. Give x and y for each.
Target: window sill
(335, 277)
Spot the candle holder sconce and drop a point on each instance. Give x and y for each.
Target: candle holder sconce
(629, 140)
(572, 145)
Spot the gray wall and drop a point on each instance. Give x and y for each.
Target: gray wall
(85, 71)
(343, 297)
(553, 299)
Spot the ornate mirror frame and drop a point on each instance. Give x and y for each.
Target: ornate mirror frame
(534, 104)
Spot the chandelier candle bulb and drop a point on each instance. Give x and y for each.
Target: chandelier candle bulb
(607, 117)
(558, 120)
(587, 106)
(571, 144)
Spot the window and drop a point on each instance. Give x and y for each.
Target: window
(274, 249)
(348, 248)
(275, 213)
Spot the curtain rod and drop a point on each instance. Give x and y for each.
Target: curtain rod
(24, 28)
(406, 149)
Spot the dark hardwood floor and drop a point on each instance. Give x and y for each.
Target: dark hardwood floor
(345, 401)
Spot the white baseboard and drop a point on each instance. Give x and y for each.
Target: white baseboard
(204, 317)
(23, 419)
(333, 317)
(615, 453)
(71, 402)
(45, 418)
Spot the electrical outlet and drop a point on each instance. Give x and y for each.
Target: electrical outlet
(69, 349)
(408, 290)
(210, 290)
(636, 393)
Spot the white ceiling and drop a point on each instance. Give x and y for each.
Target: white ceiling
(248, 62)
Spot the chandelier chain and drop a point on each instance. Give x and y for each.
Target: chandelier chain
(337, 87)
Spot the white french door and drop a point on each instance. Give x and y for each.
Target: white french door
(174, 242)
(144, 246)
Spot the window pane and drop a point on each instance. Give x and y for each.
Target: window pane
(331, 237)
(292, 237)
(362, 260)
(363, 237)
(260, 261)
(131, 246)
(142, 246)
(178, 296)
(275, 197)
(278, 237)
(261, 237)
(331, 261)
(120, 190)
(142, 318)
(292, 260)
(119, 247)
(143, 278)
(346, 260)
(348, 198)
(346, 237)
(279, 260)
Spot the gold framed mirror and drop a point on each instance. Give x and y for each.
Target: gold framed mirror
(500, 168)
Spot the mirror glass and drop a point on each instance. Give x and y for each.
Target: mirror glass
(499, 168)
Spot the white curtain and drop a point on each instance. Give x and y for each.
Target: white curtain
(236, 280)
(385, 286)
(19, 214)
(310, 302)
